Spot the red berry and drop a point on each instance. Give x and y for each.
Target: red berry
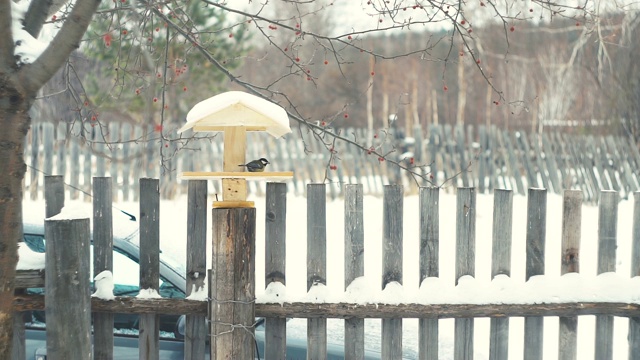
(94, 118)
(86, 103)
(445, 88)
(326, 62)
(346, 116)
(375, 136)
(512, 29)
(577, 24)
(230, 35)
(107, 39)
(158, 128)
(166, 145)
(297, 59)
(158, 75)
(411, 161)
(478, 61)
(53, 18)
(463, 22)
(137, 91)
(155, 99)
(324, 123)
(349, 37)
(124, 32)
(166, 107)
(381, 159)
(157, 29)
(184, 88)
(373, 73)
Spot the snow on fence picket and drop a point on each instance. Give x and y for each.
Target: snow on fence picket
(484, 157)
(385, 304)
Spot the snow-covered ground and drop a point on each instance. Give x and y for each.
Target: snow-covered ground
(586, 286)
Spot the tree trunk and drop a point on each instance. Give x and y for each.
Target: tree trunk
(15, 121)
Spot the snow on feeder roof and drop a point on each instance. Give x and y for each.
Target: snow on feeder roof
(237, 108)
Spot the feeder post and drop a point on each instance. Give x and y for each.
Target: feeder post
(235, 145)
(232, 283)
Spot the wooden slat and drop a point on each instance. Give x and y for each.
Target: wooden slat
(607, 243)
(570, 262)
(102, 260)
(275, 346)
(149, 329)
(196, 326)
(392, 238)
(429, 265)
(53, 195)
(501, 265)
(353, 265)
(535, 257)
(316, 264)
(634, 322)
(465, 265)
(213, 175)
(68, 296)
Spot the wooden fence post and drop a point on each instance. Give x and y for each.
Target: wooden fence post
(465, 265)
(53, 195)
(392, 238)
(607, 243)
(353, 265)
(196, 327)
(275, 339)
(68, 305)
(429, 265)
(535, 252)
(232, 284)
(634, 322)
(102, 260)
(149, 329)
(501, 265)
(316, 264)
(570, 262)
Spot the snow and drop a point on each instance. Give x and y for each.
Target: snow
(237, 108)
(27, 48)
(201, 294)
(148, 294)
(28, 259)
(104, 285)
(72, 212)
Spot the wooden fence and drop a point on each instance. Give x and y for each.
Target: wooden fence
(486, 158)
(392, 271)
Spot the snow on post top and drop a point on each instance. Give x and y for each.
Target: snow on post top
(237, 108)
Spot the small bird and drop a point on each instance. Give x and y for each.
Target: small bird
(256, 165)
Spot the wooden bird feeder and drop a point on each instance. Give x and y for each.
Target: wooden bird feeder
(234, 113)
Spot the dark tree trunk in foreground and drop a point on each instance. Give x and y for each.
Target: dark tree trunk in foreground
(19, 84)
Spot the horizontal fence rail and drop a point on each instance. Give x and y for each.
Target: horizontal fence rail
(393, 253)
(486, 158)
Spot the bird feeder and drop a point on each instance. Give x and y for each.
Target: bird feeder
(234, 113)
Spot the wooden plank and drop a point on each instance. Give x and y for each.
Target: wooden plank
(483, 161)
(316, 264)
(87, 170)
(35, 150)
(133, 305)
(501, 265)
(429, 265)
(552, 166)
(114, 137)
(634, 322)
(53, 195)
(570, 262)
(513, 163)
(196, 327)
(607, 243)
(215, 175)
(275, 346)
(61, 149)
(539, 160)
(149, 328)
(535, 257)
(126, 153)
(48, 136)
(74, 171)
(102, 260)
(232, 284)
(465, 265)
(67, 289)
(520, 141)
(392, 238)
(353, 265)
(460, 149)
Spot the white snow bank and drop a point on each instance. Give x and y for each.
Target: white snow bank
(72, 213)
(573, 287)
(28, 259)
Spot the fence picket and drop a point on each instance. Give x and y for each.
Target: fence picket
(353, 265)
(68, 297)
(102, 260)
(316, 264)
(392, 239)
(465, 265)
(196, 327)
(35, 146)
(501, 264)
(275, 346)
(429, 199)
(607, 243)
(570, 262)
(535, 253)
(149, 329)
(634, 322)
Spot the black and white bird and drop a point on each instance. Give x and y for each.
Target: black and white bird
(256, 165)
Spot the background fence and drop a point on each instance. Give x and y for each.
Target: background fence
(486, 158)
(392, 271)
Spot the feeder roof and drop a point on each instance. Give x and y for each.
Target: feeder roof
(237, 108)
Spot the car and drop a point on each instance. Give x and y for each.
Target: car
(125, 275)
